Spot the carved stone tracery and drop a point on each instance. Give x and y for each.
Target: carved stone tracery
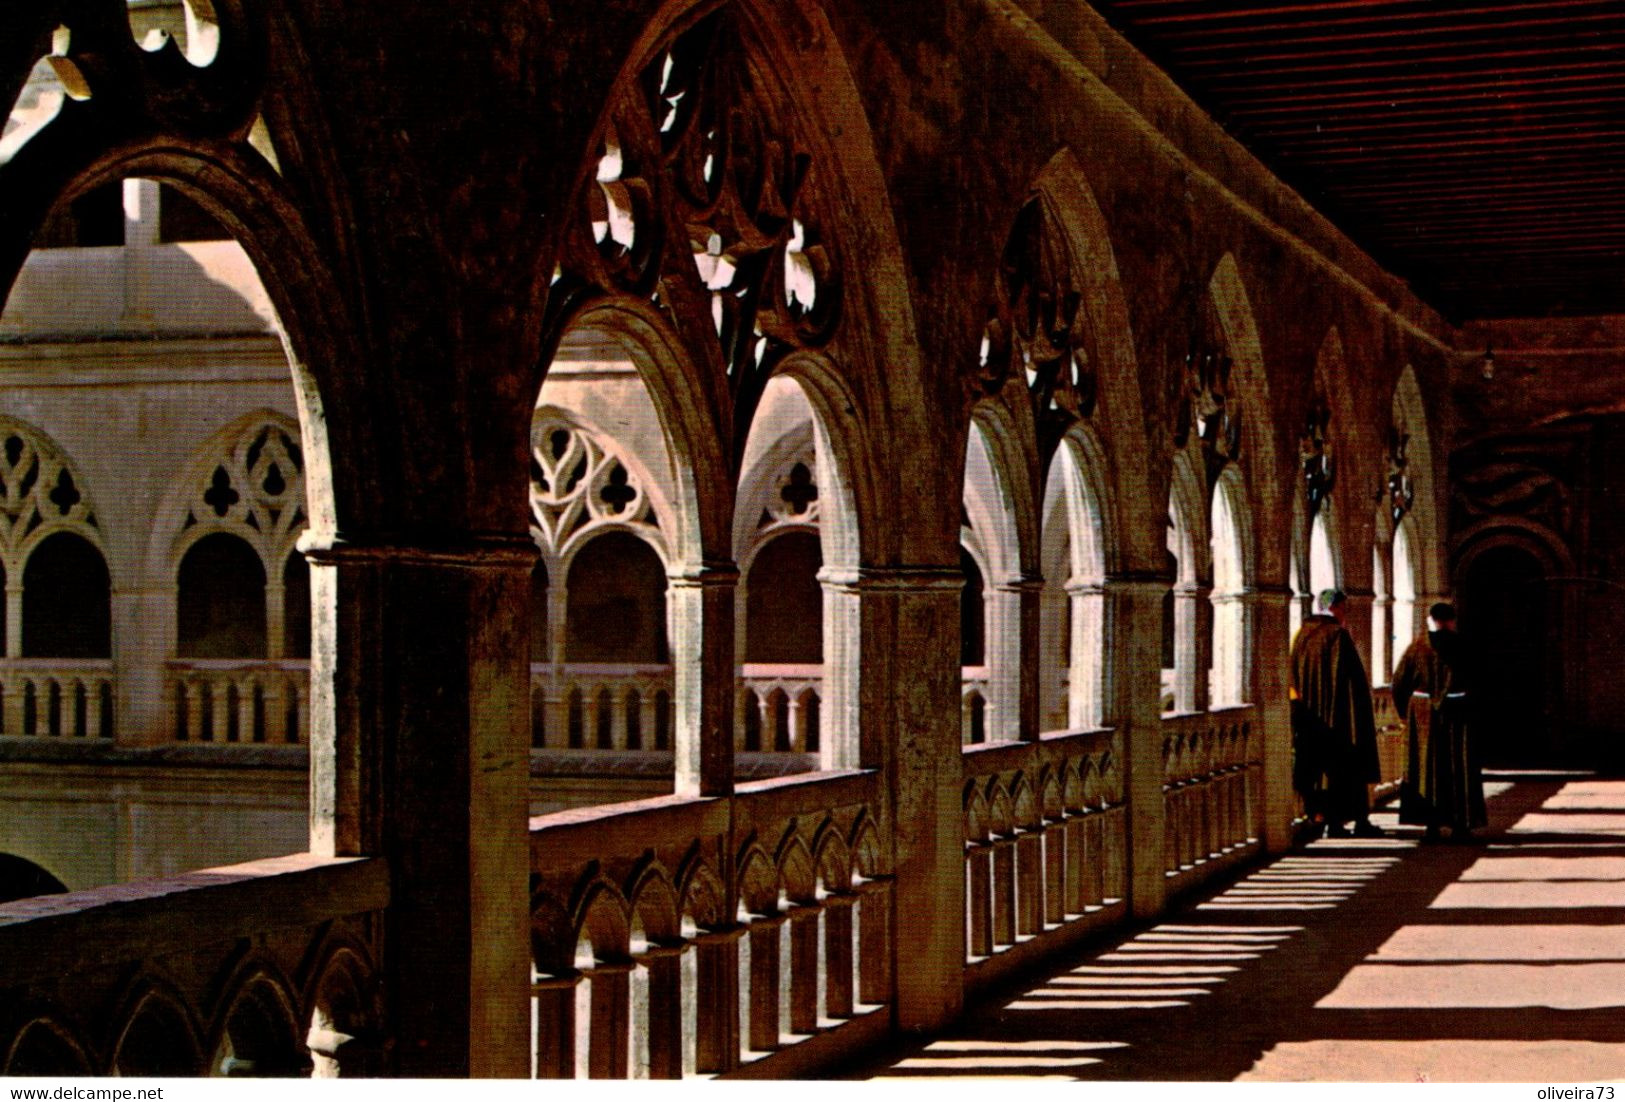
(39, 495)
(578, 481)
(1208, 407)
(705, 202)
(1038, 326)
(110, 89)
(254, 490)
(1398, 489)
(1315, 456)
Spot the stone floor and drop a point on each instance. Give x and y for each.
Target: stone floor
(1351, 960)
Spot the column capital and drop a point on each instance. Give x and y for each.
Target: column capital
(562, 982)
(609, 968)
(660, 951)
(894, 579)
(712, 574)
(1026, 583)
(467, 551)
(1086, 589)
(726, 935)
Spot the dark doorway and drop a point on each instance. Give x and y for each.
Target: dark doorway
(1503, 613)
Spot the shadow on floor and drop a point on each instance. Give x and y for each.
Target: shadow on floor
(1380, 960)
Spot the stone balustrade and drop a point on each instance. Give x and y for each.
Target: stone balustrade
(1212, 785)
(734, 935)
(225, 700)
(1045, 846)
(60, 697)
(601, 706)
(267, 968)
(1390, 743)
(776, 707)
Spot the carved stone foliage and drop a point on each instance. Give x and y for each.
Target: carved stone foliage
(1315, 456)
(704, 201)
(1398, 490)
(1209, 407)
(39, 495)
(255, 490)
(111, 89)
(1038, 326)
(577, 481)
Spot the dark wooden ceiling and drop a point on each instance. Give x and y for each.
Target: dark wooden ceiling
(1474, 147)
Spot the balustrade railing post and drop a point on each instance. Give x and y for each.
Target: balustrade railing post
(646, 717)
(716, 1001)
(1004, 890)
(1029, 882)
(276, 710)
(195, 688)
(1076, 855)
(554, 1008)
(1093, 889)
(610, 1027)
(245, 713)
(11, 709)
(620, 732)
(769, 721)
(665, 1028)
(594, 712)
(1053, 836)
(798, 725)
(979, 866)
(764, 932)
(804, 967)
(838, 987)
(874, 941)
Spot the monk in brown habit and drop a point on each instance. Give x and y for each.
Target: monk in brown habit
(1334, 733)
(1444, 785)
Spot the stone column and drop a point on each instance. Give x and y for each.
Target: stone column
(1272, 679)
(143, 643)
(14, 616)
(1086, 605)
(702, 654)
(1049, 661)
(419, 754)
(888, 631)
(1133, 697)
(1010, 651)
(716, 998)
(13, 720)
(1384, 656)
(1357, 619)
(1193, 646)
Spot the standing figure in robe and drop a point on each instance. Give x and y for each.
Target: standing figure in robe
(1444, 784)
(1334, 731)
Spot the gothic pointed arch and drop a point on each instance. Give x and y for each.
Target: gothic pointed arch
(247, 480)
(583, 482)
(1250, 436)
(42, 493)
(713, 190)
(1413, 484)
(1059, 325)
